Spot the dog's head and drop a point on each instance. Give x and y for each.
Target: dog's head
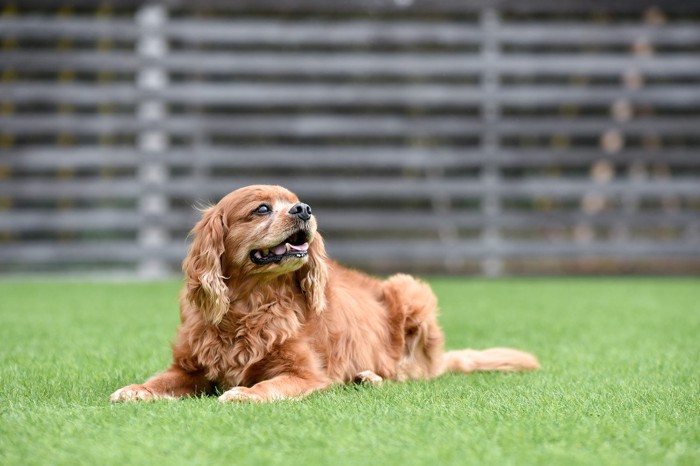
(254, 233)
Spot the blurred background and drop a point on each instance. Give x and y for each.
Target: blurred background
(449, 137)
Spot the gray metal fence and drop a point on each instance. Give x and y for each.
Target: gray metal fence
(443, 136)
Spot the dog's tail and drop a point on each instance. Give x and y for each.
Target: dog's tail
(492, 359)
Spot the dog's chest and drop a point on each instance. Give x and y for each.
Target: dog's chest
(223, 357)
(226, 351)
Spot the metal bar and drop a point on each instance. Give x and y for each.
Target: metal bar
(336, 157)
(152, 173)
(343, 188)
(400, 64)
(442, 95)
(389, 6)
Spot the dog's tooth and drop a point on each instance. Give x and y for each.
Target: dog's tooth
(258, 255)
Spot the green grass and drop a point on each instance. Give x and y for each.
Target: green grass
(620, 384)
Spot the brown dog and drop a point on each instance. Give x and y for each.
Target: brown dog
(266, 315)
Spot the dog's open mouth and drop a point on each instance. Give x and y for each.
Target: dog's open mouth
(295, 245)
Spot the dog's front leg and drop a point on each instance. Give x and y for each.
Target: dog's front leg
(281, 387)
(173, 383)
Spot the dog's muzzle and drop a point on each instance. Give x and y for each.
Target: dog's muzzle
(294, 246)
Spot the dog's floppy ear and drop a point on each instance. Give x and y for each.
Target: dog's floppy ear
(204, 278)
(313, 277)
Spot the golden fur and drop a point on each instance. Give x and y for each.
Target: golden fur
(288, 328)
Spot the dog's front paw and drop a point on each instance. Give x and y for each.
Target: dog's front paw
(133, 393)
(241, 394)
(368, 377)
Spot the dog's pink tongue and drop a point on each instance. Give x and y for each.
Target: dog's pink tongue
(279, 249)
(284, 247)
(301, 247)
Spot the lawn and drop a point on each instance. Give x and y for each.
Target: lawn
(620, 383)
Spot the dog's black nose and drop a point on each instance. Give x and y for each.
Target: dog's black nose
(301, 210)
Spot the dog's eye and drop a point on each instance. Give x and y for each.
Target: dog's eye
(263, 209)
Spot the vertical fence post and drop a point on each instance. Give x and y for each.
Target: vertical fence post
(152, 140)
(491, 263)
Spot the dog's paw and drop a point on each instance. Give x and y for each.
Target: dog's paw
(368, 377)
(241, 394)
(135, 392)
